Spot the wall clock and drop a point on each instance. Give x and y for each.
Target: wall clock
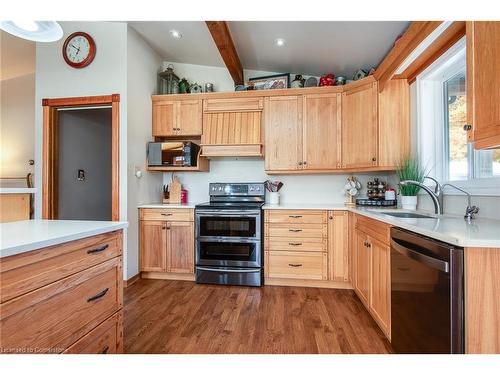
(79, 50)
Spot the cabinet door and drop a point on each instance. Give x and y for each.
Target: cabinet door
(338, 250)
(283, 133)
(483, 83)
(322, 125)
(359, 127)
(380, 301)
(164, 119)
(180, 247)
(153, 246)
(189, 117)
(362, 284)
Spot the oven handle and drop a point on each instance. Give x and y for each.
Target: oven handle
(422, 258)
(228, 239)
(228, 270)
(238, 213)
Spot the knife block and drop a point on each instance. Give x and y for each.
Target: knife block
(174, 189)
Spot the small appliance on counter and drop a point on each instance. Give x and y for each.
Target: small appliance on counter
(173, 154)
(378, 194)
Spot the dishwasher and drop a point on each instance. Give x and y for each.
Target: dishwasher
(427, 293)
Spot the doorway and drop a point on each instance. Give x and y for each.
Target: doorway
(80, 158)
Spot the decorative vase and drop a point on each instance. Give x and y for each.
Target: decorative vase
(274, 198)
(409, 202)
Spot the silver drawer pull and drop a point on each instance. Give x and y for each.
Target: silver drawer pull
(295, 243)
(295, 216)
(295, 230)
(295, 264)
(98, 250)
(98, 295)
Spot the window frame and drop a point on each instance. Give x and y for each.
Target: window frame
(431, 110)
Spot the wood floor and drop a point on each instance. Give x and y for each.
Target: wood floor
(164, 316)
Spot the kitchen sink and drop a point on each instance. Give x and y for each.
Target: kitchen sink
(409, 215)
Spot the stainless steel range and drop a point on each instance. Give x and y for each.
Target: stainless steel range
(229, 235)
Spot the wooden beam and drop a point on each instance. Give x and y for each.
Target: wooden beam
(442, 43)
(413, 36)
(224, 42)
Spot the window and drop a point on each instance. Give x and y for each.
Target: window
(441, 113)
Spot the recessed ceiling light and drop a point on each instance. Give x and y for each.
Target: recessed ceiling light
(175, 34)
(279, 42)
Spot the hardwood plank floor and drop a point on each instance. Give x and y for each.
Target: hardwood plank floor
(163, 316)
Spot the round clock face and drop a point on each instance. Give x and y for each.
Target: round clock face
(79, 50)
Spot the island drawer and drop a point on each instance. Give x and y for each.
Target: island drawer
(104, 339)
(52, 318)
(296, 216)
(296, 265)
(170, 214)
(22, 273)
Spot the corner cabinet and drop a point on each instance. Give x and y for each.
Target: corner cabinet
(167, 243)
(177, 118)
(483, 84)
(360, 127)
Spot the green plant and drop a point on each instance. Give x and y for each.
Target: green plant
(410, 169)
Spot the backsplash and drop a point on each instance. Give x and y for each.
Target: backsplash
(326, 188)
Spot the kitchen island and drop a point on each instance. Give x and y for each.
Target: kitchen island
(61, 286)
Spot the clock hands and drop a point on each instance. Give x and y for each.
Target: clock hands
(77, 49)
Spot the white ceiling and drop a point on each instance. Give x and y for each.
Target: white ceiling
(312, 48)
(17, 56)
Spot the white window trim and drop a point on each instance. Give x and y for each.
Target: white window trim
(429, 109)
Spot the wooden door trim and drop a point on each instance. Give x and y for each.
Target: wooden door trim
(50, 147)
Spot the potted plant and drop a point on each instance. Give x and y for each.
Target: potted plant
(410, 169)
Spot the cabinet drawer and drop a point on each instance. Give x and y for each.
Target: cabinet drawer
(296, 244)
(55, 316)
(297, 265)
(170, 214)
(374, 228)
(20, 274)
(106, 338)
(296, 230)
(296, 216)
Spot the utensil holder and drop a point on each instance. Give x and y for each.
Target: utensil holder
(274, 198)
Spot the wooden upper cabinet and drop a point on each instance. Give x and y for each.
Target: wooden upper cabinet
(180, 247)
(360, 127)
(283, 132)
(483, 83)
(321, 133)
(164, 123)
(153, 246)
(393, 123)
(177, 118)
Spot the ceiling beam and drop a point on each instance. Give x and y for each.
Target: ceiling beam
(443, 42)
(224, 42)
(403, 47)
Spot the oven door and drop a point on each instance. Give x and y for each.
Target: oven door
(228, 224)
(228, 253)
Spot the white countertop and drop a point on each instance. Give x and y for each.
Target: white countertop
(23, 236)
(447, 228)
(17, 190)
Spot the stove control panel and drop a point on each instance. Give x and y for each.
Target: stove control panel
(241, 189)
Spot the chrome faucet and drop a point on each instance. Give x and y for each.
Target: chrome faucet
(437, 197)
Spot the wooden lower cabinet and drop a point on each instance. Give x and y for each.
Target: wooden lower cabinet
(167, 246)
(52, 314)
(306, 247)
(14, 207)
(372, 270)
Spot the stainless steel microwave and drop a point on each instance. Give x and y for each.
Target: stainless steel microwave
(178, 154)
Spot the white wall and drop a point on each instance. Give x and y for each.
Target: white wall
(142, 65)
(17, 118)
